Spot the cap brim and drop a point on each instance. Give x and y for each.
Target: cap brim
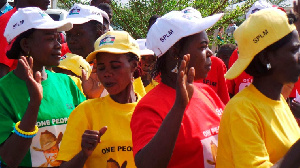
(92, 55)
(146, 52)
(237, 68)
(78, 20)
(59, 25)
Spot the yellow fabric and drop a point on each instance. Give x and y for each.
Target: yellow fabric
(115, 144)
(138, 86)
(255, 34)
(116, 42)
(75, 63)
(77, 82)
(151, 85)
(255, 131)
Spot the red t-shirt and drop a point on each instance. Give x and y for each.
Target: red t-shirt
(199, 128)
(11, 63)
(216, 80)
(239, 83)
(64, 49)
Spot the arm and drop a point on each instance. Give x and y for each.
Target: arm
(3, 70)
(15, 147)
(291, 159)
(158, 152)
(90, 140)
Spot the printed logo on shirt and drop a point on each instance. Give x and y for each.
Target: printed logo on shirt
(168, 34)
(210, 151)
(107, 40)
(54, 121)
(74, 11)
(111, 163)
(45, 146)
(18, 24)
(63, 57)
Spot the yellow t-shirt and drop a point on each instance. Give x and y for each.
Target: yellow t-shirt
(255, 131)
(151, 85)
(116, 144)
(77, 82)
(138, 86)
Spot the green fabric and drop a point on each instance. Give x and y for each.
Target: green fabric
(60, 97)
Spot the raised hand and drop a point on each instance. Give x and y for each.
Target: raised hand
(90, 140)
(91, 85)
(184, 85)
(33, 81)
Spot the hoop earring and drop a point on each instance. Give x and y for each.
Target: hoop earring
(175, 70)
(268, 66)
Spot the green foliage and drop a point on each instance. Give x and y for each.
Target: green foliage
(67, 4)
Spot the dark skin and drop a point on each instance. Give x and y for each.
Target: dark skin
(81, 39)
(43, 4)
(115, 71)
(2, 3)
(97, 2)
(45, 51)
(147, 64)
(195, 49)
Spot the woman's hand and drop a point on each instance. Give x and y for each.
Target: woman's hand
(184, 85)
(91, 85)
(90, 140)
(33, 81)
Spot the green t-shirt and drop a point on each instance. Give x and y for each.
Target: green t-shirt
(60, 97)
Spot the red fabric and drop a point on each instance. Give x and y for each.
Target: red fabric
(216, 80)
(64, 49)
(199, 127)
(236, 85)
(11, 63)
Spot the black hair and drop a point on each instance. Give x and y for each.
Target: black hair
(106, 8)
(152, 20)
(226, 49)
(161, 62)
(97, 26)
(16, 50)
(256, 68)
(132, 57)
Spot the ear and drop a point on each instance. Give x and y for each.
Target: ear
(133, 65)
(25, 45)
(174, 51)
(264, 57)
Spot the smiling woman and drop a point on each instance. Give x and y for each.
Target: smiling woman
(28, 93)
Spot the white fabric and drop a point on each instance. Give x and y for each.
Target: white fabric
(32, 17)
(258, 5)
(143, 49)
(173, 26)
(80, 14)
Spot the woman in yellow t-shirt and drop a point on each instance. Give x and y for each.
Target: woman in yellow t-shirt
(257, 127)
(117, 55)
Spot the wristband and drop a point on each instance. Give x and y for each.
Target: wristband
(22, 135)
(25, 133)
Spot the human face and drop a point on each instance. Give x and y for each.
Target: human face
(114, 72)
(44, 47)
(197, 47)
(81, 39)
(42, 4)
(147, 63)
(285, 65)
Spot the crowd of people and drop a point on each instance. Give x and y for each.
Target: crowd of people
(105, 99)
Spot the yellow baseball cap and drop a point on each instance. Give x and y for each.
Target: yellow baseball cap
(116, 42)
(256, 33)
(75, 63)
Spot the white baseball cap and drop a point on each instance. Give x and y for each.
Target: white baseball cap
(143, 49)
(32, 18)
(80, 14)
(173, 26)
(258, 5)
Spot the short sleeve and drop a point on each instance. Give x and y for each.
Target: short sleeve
(145, 123)
(71, 142)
